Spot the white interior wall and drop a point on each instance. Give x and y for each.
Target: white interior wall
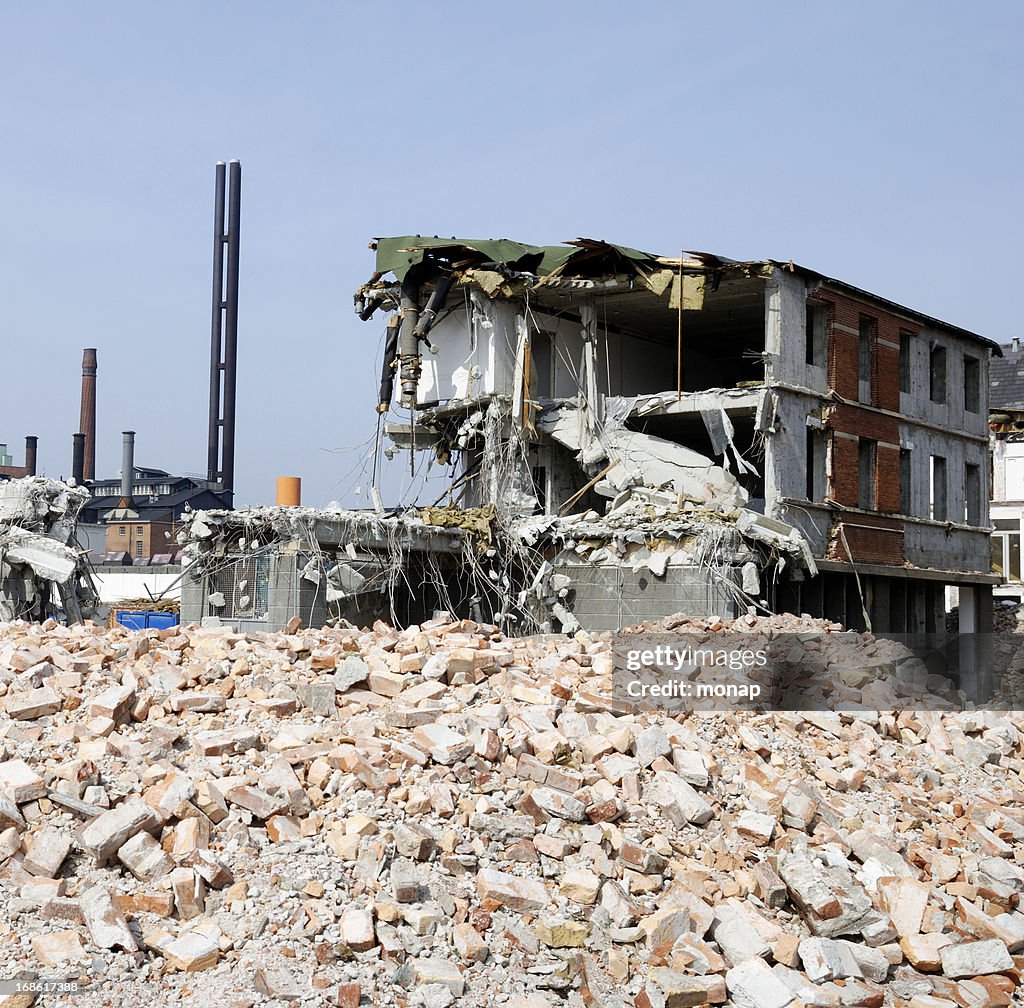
(476, 353)
(626, 365)
(118, 583)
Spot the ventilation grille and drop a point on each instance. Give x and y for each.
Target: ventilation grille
(244, 581)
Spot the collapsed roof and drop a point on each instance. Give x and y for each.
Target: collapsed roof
(501, 266)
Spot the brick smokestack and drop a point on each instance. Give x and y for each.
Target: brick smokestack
(31, 452)
(77, 457)
(87, 423)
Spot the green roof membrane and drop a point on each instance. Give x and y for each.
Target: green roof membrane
(399, 255)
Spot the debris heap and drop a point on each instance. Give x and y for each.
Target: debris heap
(41, 573)
(442, 815)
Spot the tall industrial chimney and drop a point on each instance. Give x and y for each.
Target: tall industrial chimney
(224, 328)
(87, 422)
(127, 466)
(78, 457)
(31, 451)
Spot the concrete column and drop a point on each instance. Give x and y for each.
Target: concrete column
(880, 605)
(968, 610)
(968, 642)
(983, 608)
(916, 610)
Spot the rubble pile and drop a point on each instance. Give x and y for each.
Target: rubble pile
(41, 573)
(442, 815)
(1007, 618)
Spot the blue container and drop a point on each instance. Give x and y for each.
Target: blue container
(162, 620)
(133, 620)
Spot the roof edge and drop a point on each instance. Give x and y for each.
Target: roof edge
(994, 348)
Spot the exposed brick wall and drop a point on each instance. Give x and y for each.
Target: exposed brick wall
(883, 541)
(885, 361)
(871, 539)
(862, 423)
(845, 483)
(843, 327)
(887, 478)
(865, 423)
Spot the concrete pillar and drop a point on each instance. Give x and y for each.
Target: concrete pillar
(968, 610)
(880, 604)
(968, 642)
(983, 608)
(917, 623)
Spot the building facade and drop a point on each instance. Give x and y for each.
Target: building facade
(1006, 426)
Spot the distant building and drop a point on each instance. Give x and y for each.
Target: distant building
(141, 538)
(1006, 426)
(157, 496)
(8, 470)
(144, 525)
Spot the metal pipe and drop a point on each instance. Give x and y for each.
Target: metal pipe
(366, 312)
(679, 333)
(387, 368)
(231, 324)
(434, 305)
(31, 451)
(78, 457)
(409, 344)
(216, 328)
(87, 415)
(127, 464)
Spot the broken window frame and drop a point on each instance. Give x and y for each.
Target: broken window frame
(973, 506)
(937, 373)
(938, 505)
(816, 335)
(867, 482)
(906, 347)
(542, 377)
(865, 357)
(972, 384)
(1006, 552)
(906, 482)
(816, 479)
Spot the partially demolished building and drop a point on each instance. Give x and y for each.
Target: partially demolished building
(632, 435)
(42, 573)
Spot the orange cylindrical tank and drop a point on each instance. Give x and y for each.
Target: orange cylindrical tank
(289, 491)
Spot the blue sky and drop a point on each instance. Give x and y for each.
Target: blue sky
(876, 142)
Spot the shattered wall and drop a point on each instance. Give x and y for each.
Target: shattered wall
(610, 596)
(258, 568)
(42, 573)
